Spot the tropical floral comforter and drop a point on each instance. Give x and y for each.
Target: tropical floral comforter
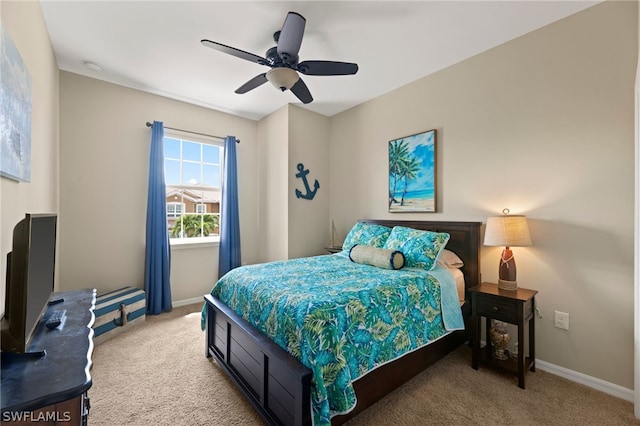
(339, 318)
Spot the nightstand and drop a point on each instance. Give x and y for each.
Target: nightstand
(515, 307)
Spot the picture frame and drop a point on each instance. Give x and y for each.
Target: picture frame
(15, 113)
(412, 173)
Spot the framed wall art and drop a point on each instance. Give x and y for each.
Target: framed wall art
(412, 173)
(15, 113)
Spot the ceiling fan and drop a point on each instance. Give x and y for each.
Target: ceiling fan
(283, 61)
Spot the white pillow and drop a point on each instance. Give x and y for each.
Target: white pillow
(449, 259)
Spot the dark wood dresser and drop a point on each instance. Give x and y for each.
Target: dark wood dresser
(52, 389)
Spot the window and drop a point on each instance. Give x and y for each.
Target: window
(174, 210)
(193, 176)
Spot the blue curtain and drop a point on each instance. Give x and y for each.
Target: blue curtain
(157, 262)
(230, 221)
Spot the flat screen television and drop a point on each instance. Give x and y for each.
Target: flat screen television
(30, 279)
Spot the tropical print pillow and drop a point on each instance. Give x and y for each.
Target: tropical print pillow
(366, 234)
(421, 248)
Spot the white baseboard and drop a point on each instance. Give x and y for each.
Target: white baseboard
(184, 302)
(592, 382)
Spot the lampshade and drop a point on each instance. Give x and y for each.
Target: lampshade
(507, 230)
(282, 78)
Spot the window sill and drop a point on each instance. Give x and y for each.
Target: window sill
(192, 243)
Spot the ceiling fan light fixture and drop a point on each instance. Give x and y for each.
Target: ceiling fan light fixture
(282, 78)
(283, 61)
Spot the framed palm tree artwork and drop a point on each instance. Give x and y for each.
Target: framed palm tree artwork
(412, 173)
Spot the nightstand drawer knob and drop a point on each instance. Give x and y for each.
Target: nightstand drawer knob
(495, 308)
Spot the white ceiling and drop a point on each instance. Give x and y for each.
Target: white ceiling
(154, 46)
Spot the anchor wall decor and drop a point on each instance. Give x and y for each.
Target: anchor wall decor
(302, 174)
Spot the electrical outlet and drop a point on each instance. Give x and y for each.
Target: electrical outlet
(562, 320)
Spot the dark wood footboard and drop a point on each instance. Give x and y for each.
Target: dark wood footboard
(276, 384)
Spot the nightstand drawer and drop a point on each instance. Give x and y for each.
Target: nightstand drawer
(498, 308)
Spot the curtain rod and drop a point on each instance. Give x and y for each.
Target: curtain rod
(193, 133)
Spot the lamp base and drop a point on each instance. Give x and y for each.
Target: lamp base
(508, 285)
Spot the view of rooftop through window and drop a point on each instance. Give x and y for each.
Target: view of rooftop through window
(193, 173)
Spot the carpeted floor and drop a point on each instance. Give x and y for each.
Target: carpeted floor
(157, 374)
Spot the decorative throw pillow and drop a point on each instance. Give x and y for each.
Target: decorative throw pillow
(387, 259)
(421, 248)
(449, 259)
(366, 234)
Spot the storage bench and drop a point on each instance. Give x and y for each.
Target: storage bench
(117, 311)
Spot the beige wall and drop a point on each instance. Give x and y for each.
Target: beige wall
(308, 219)
(292, 227)
(542, 125)
(637, 231)
(24, 23)
(273, 210)
(104, 157)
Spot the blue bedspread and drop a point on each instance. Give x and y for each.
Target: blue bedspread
(342, 319)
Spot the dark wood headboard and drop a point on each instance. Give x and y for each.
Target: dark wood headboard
(464, 241)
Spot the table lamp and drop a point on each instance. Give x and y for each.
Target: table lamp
(509, 231)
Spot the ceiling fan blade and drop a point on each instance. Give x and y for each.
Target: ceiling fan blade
(291, 34)
(302, 91)
(256, 81)
(234, 52)
(327, 68)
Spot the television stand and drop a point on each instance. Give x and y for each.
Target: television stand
(8, 357)
(52, 388)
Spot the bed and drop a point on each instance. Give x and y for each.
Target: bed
(281, 387)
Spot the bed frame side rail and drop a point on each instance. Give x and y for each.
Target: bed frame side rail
(275, 383)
